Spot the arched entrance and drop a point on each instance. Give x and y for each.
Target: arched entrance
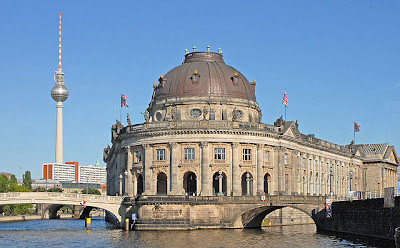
(267, 179)
(161, 184)
(139, 184)
(190, 183)
(219, 178)
(247, 184)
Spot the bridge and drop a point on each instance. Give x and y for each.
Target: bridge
(176, 212)
(112, 204)
(194, 212)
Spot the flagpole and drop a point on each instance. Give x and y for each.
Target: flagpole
(354, 131)
(285, 113)
(120, 111)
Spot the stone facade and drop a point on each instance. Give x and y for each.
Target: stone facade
(203, 136)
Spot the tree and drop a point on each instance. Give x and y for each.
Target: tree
(27, 179)
(39, 189)
(91, 191)
(55, 189)
(13, 179)
(3, 183)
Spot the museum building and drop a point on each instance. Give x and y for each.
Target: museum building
(203, 136)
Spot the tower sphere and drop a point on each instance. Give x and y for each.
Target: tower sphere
(59, 93)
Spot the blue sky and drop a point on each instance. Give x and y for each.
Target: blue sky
(338, 60)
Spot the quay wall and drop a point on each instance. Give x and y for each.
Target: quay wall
(20, 218)
(361, 217)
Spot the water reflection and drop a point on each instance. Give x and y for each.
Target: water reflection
(71, 233)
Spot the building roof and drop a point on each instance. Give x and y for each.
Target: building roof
(378, 152)
(214, 78)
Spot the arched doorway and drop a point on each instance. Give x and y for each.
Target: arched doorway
(161, 184)
(219, 178)
(267, 179)
(139, 184)
(190, 183)
(247, 184)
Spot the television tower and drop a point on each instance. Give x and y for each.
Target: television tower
(59, 93)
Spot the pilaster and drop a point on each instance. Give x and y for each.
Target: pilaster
(260, 163)
(236, 184)
(148, 160)
(173, 166)
(129, 163)
(205, 170)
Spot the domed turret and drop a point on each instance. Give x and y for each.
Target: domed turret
(205, 74)
(204, 87)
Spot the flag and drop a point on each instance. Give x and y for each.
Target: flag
(356, 127)
(284, 101)
(123, 101)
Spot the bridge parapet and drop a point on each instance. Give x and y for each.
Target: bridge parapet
(287, 199)
(51, 195)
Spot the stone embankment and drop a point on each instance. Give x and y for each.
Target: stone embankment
(11, 218)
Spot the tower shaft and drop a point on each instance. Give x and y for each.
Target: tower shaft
(59, 134)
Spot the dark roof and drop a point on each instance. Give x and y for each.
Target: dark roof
(215, 78)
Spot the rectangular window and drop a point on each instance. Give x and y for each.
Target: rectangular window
(287, 182)
(266, 156)
(160, 154)
(224, 115)
(219, 153)
(189, 153)
(138, 156)
(246, 154)
(285, 158)
(212, 114)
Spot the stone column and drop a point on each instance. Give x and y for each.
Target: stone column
(147, 163)
(205, 170)
(135, 185)
(129, 163)
(235, 170)
(277, 170)
(175, 187)
(260, 163)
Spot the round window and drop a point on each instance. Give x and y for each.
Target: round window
(159, 116)
(195, 113)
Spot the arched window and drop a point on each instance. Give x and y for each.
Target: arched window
(247, 184)
(139, 184)
(267, 179)
(161, 184)
(219, 178)
(190, 183)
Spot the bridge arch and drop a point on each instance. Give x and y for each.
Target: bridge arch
(252, 217)
(111, 204)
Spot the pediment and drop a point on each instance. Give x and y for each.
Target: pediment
(392, 158)
(292, 131)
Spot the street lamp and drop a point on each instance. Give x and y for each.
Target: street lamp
(379, 190)
(330, 181)
(126, 182)
(120, 184)
(351, 177)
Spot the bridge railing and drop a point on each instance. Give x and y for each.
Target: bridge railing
(228, 199)
(59, 195)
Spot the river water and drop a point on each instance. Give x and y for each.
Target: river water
(72, 233)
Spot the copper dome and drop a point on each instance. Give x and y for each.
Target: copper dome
(204, 74)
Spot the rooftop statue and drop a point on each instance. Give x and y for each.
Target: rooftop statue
(128, 119)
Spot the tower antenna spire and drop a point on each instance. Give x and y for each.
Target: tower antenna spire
(59, 47)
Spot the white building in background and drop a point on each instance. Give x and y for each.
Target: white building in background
(93, 174)
(73, 172)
